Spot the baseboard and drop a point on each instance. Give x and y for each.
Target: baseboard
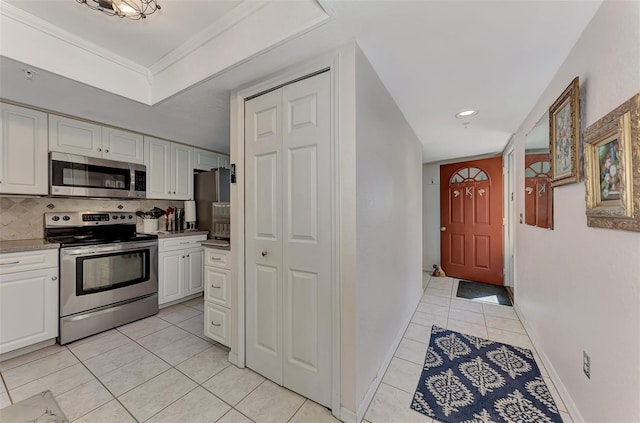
(233, 359)
(347, 416)
(555, 378)
(26, 350)
(366, 401)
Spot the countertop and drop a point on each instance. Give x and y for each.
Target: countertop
(22, 245)
(173, 234)
(214, 243)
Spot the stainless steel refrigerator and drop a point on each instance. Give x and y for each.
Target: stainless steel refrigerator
(211, 194)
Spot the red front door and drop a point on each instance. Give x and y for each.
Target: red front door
(471, 220)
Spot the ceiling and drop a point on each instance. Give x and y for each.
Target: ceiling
(170, 75)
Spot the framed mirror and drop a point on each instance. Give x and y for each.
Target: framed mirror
(538, 195)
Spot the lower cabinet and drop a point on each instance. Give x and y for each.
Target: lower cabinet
(217, 323)
(28, 298)
(217, 295)
(180, 267)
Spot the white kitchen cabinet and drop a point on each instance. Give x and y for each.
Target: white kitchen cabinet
(170, 276)
(180, 267)
(182, 171)
(217, 295)
(207, 160)
(194, 271)
(169, 169)
(28, 298)
(88, 139)
(23, 151)
(122, 146)
(204, 160)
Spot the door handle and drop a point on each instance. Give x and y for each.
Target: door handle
(443, 228)
(216, 287)
(264, 254)
(216, 324)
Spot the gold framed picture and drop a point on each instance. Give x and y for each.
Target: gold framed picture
(564, 136)
(612, 168)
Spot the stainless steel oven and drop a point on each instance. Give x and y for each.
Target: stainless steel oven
(108, 273)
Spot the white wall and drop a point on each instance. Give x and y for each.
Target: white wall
(388, 224)
(578, 288)
(430, 215)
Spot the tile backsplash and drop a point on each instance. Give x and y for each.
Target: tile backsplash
(22, 217)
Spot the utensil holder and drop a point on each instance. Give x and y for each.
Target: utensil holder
(149, 226)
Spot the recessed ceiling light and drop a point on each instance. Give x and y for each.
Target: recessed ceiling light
(466, 114)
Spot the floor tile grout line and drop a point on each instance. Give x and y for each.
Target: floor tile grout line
(103, 385)
(298, 409)
(43, 376)
(6, 389)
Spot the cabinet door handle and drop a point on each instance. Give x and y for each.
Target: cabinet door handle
(216, 258)
(55, 278)
(99, 149)
(106, 151)
(216, 287)
(10, 262)
(216, 324)
(182, 256)
(187, 255)
(186, 242)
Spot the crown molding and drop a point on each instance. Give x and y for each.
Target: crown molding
(219, 27)
(47, 28)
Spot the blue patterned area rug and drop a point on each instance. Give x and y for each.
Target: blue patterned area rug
(474, 380)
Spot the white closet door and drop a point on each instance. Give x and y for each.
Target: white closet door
(288, 236)
(263, 235)
(306, 157)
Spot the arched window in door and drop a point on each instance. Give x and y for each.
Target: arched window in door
(469, 174)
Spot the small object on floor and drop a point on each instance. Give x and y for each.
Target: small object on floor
(466, 378)
(484, 292)
(40, 408)
(438, 272)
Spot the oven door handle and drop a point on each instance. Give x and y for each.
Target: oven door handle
(114, 248)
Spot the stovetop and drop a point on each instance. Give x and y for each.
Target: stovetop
(92, 228)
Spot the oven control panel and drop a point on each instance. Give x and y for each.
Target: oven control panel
(88, 218)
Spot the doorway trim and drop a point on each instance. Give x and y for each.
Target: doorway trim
(509, 207)
(237, 157)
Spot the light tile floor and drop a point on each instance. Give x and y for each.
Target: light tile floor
(163, 369)
(159, 369)
(439, 306)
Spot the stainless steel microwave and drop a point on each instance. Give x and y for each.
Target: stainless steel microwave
(80, 176)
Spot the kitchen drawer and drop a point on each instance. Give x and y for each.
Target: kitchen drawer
(180, 243)
(217, 323)
(28, 260)
(217, 285)
(217, 258)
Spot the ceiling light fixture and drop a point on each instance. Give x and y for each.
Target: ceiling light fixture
(466, 114)
(132, 9)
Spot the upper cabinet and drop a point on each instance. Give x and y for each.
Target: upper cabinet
(23, 151)
(169, 169)
(122, 146)
(207, 160)
(88, 139)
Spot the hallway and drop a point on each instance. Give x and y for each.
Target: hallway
(440, 307)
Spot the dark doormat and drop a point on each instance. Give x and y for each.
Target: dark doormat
(484, 292)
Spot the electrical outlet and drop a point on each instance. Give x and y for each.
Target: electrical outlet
(586, 364)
